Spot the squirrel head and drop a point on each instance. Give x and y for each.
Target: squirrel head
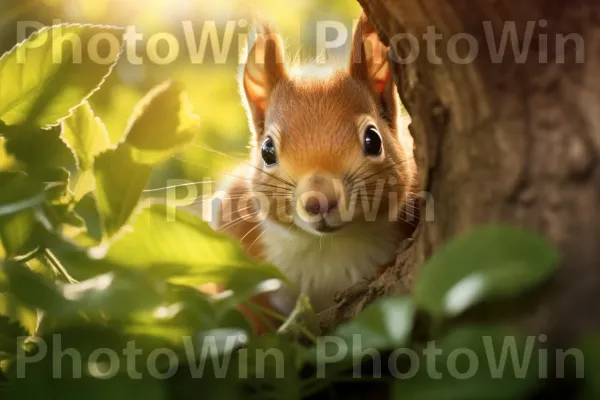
(327, 152)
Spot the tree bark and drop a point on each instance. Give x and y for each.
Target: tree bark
(512, 140)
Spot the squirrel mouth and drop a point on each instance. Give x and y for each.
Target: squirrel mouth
(324, 228)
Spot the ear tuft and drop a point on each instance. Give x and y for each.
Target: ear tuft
(369, 64)
(264, 69)
(369, 56)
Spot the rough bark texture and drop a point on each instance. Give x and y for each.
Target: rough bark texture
(509, 141)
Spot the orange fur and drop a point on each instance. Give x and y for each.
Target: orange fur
(316, 125)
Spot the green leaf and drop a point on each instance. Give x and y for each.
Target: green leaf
(385, 324)
(33, 290)
(120, 181)
(19, 192)
(470, 363)
(98, 368)
(65, 75)
(121, 386)
(162, 122)
(56, 182)
(10, 332)
(160, 125)
(162, 236)
(179, 247)
(489, 262)
(215, 377)
(114, 294)
(87, 210)
(233, 319)
(86, 136)
(273, 359)
(17, 232)
(185, 248)
(24, 316)
(587, 367)
(39, 150)
(184, 312)
(6, 160)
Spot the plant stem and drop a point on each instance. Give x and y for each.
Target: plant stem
(56, 264)
(283, 319)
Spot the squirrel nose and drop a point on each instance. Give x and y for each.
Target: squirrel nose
(315, 206)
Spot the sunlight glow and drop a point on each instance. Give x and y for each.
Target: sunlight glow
(465, 293)
(166, 312)
(142, 10)
(76, 291)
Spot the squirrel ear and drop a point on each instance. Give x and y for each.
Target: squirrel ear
(369, 64)
(264, 68)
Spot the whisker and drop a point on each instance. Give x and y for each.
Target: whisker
(384, 169)
(379, 172)
(176, 186)
(255, 240)
(248, 195)
(237, 177)
(350, 177)
(282, 188)
(176, 157)
(371, 186)
(245, 162)
(292, 186)
(237, 211)
(236, 221)
(252, 230)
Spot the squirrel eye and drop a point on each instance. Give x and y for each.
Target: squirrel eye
(268, 151)
(372, 144)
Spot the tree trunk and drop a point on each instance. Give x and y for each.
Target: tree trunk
(504, 139)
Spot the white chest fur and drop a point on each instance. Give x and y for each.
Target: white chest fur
(322, 266)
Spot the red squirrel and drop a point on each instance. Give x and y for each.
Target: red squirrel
(331, 171)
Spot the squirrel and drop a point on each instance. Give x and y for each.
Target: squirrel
(331, 172)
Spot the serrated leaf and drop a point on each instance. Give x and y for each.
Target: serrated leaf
(120, 181)
(86, 136)
(66, 74)
(160, 125)
(162, 122)
(487, 263)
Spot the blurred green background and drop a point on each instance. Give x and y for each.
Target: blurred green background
(212, 86)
